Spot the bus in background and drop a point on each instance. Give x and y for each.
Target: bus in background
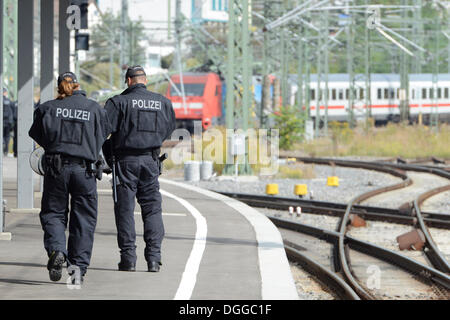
(203, 94)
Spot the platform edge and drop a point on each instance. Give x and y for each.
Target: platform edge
(276, 277)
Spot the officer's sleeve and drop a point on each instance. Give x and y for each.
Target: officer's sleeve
(105, 123)
(113, 115)
(36, 130)
(171, 117)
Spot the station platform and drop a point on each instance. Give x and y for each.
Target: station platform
(215, 248)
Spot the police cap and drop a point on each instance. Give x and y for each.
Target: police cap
(135, 71)
(68, 74)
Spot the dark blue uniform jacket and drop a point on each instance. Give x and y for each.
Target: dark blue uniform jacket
(140, 119)
(74, 126)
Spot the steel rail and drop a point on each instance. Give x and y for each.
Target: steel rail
(343, 257)
(325, 276)
(437, 220)
(436, 257)
(433, 253)
(382, 166)
(424, 272)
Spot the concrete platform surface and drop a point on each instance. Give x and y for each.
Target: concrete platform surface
(214, 248)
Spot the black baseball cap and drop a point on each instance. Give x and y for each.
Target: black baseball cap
(134, 71)
(68, 74)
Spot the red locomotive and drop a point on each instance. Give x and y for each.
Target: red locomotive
(203, 99)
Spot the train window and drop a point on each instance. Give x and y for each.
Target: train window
(347, 94)
(378, 93)
(391, 93)
(333, 94)
(413, 93)
(439, 93)
(445, 93)
(424, 93)
(431, 95)
(313, 94)
(190, 90)
(341, 94)
(386, 94)
(398, 93)
(361, 93)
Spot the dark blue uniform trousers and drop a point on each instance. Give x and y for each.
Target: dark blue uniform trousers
(138, 177)
(82, 188)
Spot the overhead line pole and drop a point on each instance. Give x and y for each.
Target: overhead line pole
(230, 67)
(300, 59)
(326, 67)
(404, 87)
(349, 33)
(367, 93)
(123, 39)
(318, 96)
(307, 73)
(178, 50)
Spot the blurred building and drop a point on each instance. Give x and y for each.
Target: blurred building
(209, 10)
(160, 31)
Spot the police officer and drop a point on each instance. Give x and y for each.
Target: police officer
(72, 130)
(14, 108)
(8, 113)
(140, 121)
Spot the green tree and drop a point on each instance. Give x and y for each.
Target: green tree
(98, 77)
(290, 124)
(105, 37)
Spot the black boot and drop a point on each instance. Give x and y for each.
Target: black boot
(153, 266)
(55, 264)
(127, 266)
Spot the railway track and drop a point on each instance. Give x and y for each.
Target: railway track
(437, 220)
(436, 275)
(295, 251)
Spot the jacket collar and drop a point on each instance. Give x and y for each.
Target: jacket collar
(79, 92)
(134, 87)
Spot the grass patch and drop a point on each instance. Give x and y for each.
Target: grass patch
(390, 141)
(295, 171)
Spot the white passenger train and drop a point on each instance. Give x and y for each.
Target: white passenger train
(385, 96)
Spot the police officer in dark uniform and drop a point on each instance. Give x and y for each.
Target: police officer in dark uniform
(14, 107)
(72, 130)
(140, 121)
(8, 113)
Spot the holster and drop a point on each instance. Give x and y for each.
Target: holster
(95, 169)
(161, 159)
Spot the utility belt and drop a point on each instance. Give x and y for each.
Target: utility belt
(154, 152)
(122, 153)
(53, 164)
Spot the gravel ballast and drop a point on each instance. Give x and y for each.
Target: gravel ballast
(352, 182)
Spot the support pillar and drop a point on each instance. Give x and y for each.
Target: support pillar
(47, 32)
(64, 38)
(25, 110)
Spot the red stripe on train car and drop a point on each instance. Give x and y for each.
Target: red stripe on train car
(381, 106)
